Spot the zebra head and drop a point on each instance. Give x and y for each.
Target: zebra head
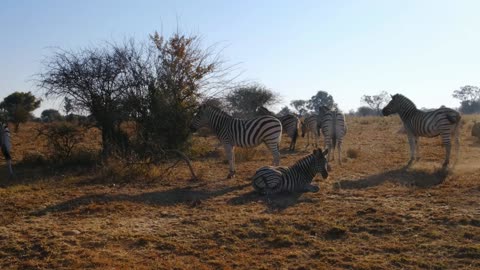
(321, 163)
(200, 118)
(393, 106)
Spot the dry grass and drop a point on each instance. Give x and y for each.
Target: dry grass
(369, 214)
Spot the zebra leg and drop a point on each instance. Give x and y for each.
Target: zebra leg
(417, 148)
(276, 154)
(456, 135)
(308, 140)
(411, 142)
(10, 170)
(339, 145)
(448, 147)
(229, 151)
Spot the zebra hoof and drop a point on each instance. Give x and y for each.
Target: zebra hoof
(231, 175)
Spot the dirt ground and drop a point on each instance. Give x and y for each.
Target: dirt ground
(369, 214)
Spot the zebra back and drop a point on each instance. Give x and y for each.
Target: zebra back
(236, 131)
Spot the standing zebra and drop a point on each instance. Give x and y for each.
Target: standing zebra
(443, 122)
(290, 125)
(240, 132)
(334, 128)
(269, 179)
(310, 126)
(5, 145)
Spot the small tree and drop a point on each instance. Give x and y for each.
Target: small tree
(178, 74)
(19, 106)
(51, 115)
(67, 105)
(322, 98)
(284, 111)
(366, 111)
(376, 102)
(96, 80)
(469, 97)
(300, 106)
(62, 139)
(244, 100)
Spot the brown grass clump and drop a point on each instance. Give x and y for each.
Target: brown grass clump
(353, 153)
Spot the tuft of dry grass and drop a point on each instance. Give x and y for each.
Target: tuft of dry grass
(353, 153)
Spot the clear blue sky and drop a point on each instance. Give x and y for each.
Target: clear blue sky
(423, 49)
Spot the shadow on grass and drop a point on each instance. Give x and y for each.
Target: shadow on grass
(277, 202)
(402, 176)
(169, 197)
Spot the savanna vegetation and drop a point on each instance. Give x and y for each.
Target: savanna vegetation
(116, 180)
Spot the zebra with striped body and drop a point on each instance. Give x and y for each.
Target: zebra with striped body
(290, 125)
(5, 145)
(443, 122)
(310, 126)
(240, 132)
(334, 128)
(297, 178)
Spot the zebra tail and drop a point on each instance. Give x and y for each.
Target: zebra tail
(454, 118)
(334, 141)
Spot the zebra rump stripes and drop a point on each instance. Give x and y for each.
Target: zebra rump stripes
(240, 132)
(290, 125)
(297, 178)
(310, 126)
(334, 128)
(443, 122)
(6, 145)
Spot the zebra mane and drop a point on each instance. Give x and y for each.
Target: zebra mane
(215, 109)
(403, 99)
(265, 111)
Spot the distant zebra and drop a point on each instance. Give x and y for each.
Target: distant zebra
(310, 126)
(290, 125)
(334, 128)
(240, 132)
(443, 122)
(6, 145)
(297, 178)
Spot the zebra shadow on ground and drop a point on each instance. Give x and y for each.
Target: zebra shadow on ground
(276, 202)
(403, 176)
(190, 196)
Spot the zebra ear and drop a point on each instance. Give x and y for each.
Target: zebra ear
(315, 151)
(325, 153)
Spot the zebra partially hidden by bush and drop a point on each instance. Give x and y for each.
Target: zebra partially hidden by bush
(334, 128)
(297, 178)
(443, 122)
(240, 132)
(290, 125)
(6, 145)
(310, 125)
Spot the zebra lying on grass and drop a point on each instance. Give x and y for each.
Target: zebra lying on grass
(334, 128)
(5, 145)
(310, 126)
(443, 122)
(240, 132)
(297, 178)
(290, 125)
